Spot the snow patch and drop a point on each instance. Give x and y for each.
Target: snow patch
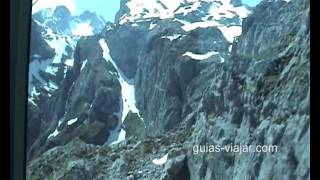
(172, 37)
(34, 92)
(83, 64)
(52, 70)
(32, 102)
(221, 59)
(201, 24)
(52, 85)
(71, 121)
(200, 56)
(82, 29)
(35, 56)
(160, 161)
(230, 48)
(109, 28)
(230, 32)
(56, 132)
(152, 25)
(69, 62)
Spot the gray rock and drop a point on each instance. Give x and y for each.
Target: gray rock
(134, 126)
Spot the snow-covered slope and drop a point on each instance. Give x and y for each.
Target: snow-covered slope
(192, 13)
(127, 96)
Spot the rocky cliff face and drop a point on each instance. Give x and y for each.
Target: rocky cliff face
(197, 81)
(58, 58)
(260, 97)
(54, 34)
(85, 103)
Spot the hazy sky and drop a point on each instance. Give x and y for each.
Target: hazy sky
(251, 2)
(105, 8)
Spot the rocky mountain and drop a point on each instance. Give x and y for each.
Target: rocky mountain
(54, 35)
(167, 77)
